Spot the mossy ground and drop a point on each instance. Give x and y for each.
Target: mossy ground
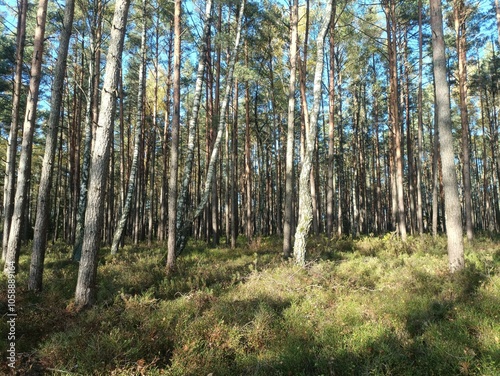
(371, 306)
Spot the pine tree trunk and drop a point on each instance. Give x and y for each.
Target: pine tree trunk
(390, 9)
(10, 162)
(289, 183)
(24, 170)
(305, 204)
(43, 204)
(450, 184)
(91, 119)
(459, 19)
(330, 182)
(420, 222)
(85, 293)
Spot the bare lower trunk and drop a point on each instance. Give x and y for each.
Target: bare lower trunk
(10, 163)
(43, 204)
(137, 140)
(24, 170)
(305, 204)
(87, 272)
(220, 130)
(288, 212)
(450, 184)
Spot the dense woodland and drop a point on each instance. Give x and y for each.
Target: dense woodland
(165, 121)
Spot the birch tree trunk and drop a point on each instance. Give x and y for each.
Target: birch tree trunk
(87, 272)
(24, 170)
(43, 204)
(288, 212)
(193, 125)
(305, 202)
(452, 201)
(220, 130)
(10, 162)
(174, 148)
(137, 139)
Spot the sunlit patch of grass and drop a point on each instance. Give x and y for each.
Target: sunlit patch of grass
(360, 306)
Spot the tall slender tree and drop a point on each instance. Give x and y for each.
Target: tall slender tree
(459, 16)
(10, 161)
(193, 126)
(221, 127)
(288, 213)
(174, 148)
(305, 202)
(87, 272)
(442, 99)
(24, 170)
(43, 205)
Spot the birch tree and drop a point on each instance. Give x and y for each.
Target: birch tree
(193, 124)
(453, 213)
(305, 202)
(288, 213)
(87, 272)
(174, 148)
(220, 130)
(24, 170)
(43, 205)
(137, 139)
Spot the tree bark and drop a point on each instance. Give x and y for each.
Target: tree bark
(450, 184)
(220, 130)
(174, 148)
(87, 272)
(420, 222)
(24, 170)
(330, 206)
(305, 204)
(459, 13)
(10, 162)
(289, 194)
(390, 9)
(43, 204)
(137, 139)
(91, 120)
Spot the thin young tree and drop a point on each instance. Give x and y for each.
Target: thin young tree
(453, 213)
(87, 272)
(288, 212)
(43, 202)
(10, 161)
(193, 125)
(459, 17)
(174, 148)
(24, 170)
(91, 120)
(305, 200)
(137, 138)
(214, 156)
(390, 11)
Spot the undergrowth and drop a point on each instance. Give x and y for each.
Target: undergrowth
(370, 306)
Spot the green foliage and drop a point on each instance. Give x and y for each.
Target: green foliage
(365, 306)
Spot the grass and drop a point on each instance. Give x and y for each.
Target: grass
(371, 306)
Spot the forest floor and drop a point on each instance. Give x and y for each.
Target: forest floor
(371, 306)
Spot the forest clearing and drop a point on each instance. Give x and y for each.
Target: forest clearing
(372, 306)
(225, 187)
